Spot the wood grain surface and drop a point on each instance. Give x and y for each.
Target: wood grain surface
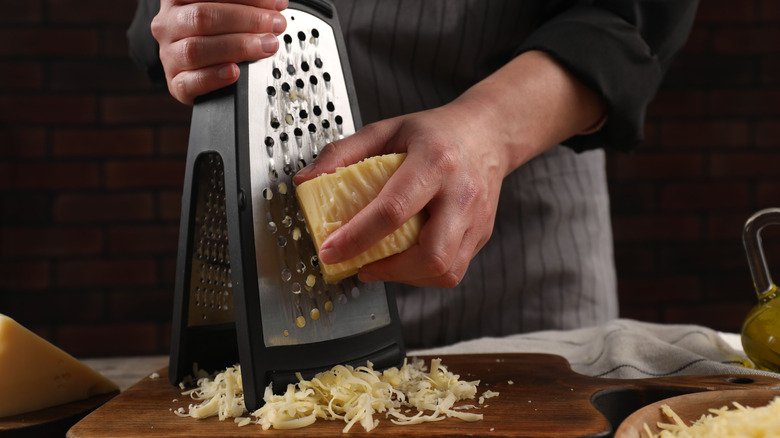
(544, 399)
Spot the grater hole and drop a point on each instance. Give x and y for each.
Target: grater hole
(338, 120)
(271, 91)
(330, 106)
(289, 118)
(281, 241)
(287, 222)
(275, 123)
(290, 69)
(296, 234)
(301, 164)
(312, 128)
(326, 76)
(284, 137)
(282, 190)
(268, 194)
(295, 288)
(341, 299)
(272, 227)
(299, 83)
(305, 66)
(300, 321)
(285, 87)
(355, 292)
(318, 62)
(277, 73)
(317, 110)
(286, 274)
(298, 132)
(315, 261)
(269, 142)
(311, 280)
(315, 33)
(315, 314)
(328, 306)
(313, 79)
(287, 39)
(303, 115)
(288, 169)
(301, 36)
(273, 174)
(325, 124)
(300, 267)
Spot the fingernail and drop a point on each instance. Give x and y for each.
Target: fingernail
(330, 256)
(280, 24)
(269, 43)
(226, 72)
(306, 171)
(281, 5)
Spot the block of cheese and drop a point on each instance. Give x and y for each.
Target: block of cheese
(331, 200)
(35, 374)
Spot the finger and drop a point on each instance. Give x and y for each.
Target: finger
(278, 5)
(198, 52)
(405, 194)
(188, 85)
(201, 19)
(370, 141)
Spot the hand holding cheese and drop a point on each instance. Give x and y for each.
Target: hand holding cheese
(331, 200)
(458, 156)
(37, 375)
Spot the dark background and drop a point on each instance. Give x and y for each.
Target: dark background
(92, 162)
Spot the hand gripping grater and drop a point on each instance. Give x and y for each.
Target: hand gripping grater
(248, 287)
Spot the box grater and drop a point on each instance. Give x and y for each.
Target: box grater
(248, 287)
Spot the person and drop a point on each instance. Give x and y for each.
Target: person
(505, 109)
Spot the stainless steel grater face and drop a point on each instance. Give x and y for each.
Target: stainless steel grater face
(248, 287)
(299, 104)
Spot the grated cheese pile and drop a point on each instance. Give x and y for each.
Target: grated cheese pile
(353, 395)
(744, 422)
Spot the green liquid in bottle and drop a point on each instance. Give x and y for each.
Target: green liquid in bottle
(761, 334)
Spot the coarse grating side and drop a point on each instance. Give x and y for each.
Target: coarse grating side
(248, 287)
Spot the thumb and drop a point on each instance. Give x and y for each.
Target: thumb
(370, 141)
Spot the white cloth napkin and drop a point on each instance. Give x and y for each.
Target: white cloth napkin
(623, 349)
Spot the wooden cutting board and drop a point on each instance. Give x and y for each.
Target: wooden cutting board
(53, 421)
(539, 396)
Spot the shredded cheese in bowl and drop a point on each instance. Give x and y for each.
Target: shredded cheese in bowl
(741, 422)
(353, 395)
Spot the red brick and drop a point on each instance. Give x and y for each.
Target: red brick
(105, 273)
(91, 11)
(143, 240)
(113, 42)
(711, 133)
(130, 305)
(103, 208)
(770, 10)
(103, 143)
(17, 208)
(21, 76)
(677, 103)
(698, 41)
(52, 109)
(45, 41)
(174, 140)
(767, 194)
(659, 289)
(752, 39)
(701, 257)
(745, 165)
(722, 316)
(642, 313)
(726, 226)
(726, 11)
(712, 69)
(98, 340)
(704, 196)
(58, 307)
(633, 259)
(56, 176)
(768, 133)
(50, 242)
(730, 287)
(133, 174)
(24, 276)
(633, 198)
(744, 103)
(23, 143)
(97, 75)
(656, 167)
(648, 228)
(144, 109)
(28, 11)
(770, 71)
(169, 205)
(168, 271)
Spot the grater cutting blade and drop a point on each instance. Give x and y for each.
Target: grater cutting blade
(248, 286)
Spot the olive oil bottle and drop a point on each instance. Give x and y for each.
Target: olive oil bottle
(761, 329)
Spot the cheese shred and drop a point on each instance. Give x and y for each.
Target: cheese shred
(353, 395)
(742, 421)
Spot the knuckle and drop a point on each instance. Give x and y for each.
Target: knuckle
(189, 52)
(393, 209)
(437, 264)
(445, 159)
(199, 18)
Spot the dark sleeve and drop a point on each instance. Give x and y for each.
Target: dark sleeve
(144, 50)
(621, 49)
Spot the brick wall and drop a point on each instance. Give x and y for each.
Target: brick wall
(91, 164)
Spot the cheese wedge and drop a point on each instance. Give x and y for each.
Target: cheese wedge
(35, 374)
(331, 200)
